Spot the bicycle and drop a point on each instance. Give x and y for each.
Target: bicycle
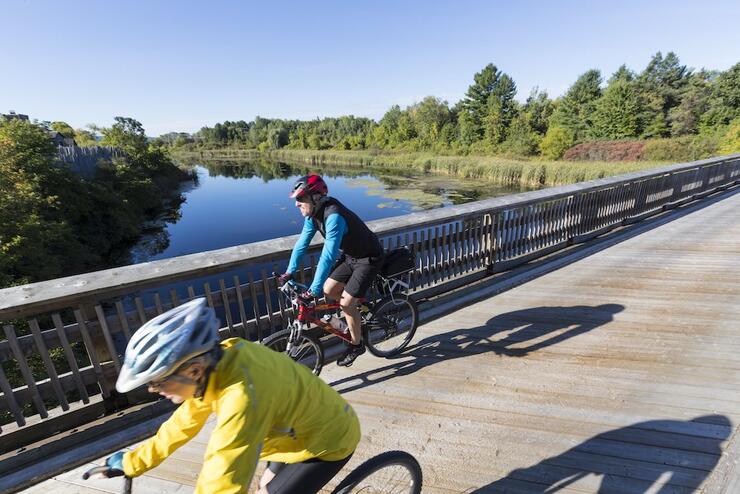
(388, 325)
(392, 471)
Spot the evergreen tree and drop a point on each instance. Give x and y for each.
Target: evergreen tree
(724, 98)
(500, 110)
(684, 118)
(660, 86)
(616, 115)
(487, 112)
(575, 110)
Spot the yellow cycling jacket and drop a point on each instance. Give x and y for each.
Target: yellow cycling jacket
(267, 407)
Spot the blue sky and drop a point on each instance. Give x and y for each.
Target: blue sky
(176, 66)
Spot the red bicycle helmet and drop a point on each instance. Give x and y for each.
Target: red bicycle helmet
(310, 184)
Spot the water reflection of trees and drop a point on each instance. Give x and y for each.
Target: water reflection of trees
(269, 170)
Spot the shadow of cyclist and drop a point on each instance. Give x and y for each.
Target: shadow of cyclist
(513, 334)
(657, 456)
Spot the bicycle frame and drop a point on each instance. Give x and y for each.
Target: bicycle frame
(308, 315)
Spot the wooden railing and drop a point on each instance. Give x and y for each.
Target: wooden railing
(64, 338)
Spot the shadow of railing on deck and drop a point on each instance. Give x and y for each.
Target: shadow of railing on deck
(657, 456)
(505, 334)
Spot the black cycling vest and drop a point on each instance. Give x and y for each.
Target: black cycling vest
(359, 241)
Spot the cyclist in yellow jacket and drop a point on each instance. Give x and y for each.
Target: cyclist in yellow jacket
(267, 407)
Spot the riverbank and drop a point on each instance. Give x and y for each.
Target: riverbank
(508, 172)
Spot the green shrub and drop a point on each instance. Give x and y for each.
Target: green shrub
(556, 142)
(730, 143)
(687, 148)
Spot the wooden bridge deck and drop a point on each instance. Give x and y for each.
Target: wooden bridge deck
(617, 373)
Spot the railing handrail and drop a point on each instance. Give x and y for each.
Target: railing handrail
(18, 300)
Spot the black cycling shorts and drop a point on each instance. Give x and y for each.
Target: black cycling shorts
(302, 478)
(356, 274)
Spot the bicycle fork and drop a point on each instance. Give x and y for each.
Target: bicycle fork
(295, 334)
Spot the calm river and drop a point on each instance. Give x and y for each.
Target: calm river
(235, 203)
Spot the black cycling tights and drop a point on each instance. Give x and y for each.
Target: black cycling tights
(302, 478)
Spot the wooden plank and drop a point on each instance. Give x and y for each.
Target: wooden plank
(255, 305)
(108, 337)
(268, 301)
(207, 293)
(140, 310)
(227, 308)
(92, 354)
(9, 399)
(71, 360)
(158, 303)
(436, 259)
(25, 371)
(123, 319)
(429, 254)
(416, 273)
(48, 364)
(242, 313)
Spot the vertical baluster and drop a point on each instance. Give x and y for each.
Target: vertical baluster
(447, 251)
(435, 255)
(255, 305)
(25, 371)
(10, 401)
(70, 357)
(140, 310)
(209, 297)
(268, 301)
(174, 298)
(158, 303)
(428, 251)
(123, 319)
(92, 354)
(48, 364)
(416, 273)
(240, 301)
(108, 337)
(227, 307)
(478, 248)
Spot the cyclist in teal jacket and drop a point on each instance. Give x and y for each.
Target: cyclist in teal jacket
(347, 277)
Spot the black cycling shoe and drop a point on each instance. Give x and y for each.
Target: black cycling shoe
(350, 354)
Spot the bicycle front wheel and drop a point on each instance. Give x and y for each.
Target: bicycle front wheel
(391, 326)
(306, 351)
(393, 471)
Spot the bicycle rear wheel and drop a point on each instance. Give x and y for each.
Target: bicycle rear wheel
(391, 326)
(307, 351)
(392, 471)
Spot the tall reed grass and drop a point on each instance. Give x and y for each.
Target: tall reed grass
(510, 172)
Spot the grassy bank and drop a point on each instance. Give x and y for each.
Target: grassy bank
(508, 172)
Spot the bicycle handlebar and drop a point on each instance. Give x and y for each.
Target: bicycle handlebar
(127, 483)
(95, 470)
(291, 286)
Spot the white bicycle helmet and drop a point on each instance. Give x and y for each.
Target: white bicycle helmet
(164, 343)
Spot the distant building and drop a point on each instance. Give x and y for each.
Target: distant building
(60, 140)
(13, 116)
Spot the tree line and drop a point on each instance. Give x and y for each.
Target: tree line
(55, 223)
(665, 100)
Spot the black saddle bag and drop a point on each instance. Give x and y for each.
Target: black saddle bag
(397, 262)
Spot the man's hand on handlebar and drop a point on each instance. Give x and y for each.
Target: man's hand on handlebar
(284, 278)
(306, 298)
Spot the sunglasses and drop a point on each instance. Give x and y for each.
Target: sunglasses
(159, 383)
